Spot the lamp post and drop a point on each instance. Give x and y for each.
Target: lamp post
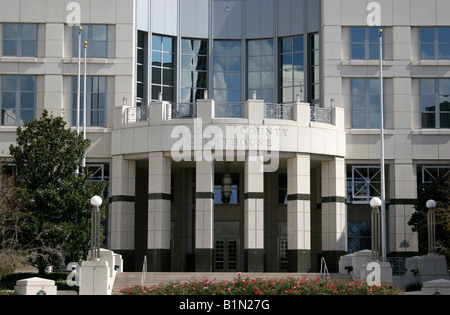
(376, 203)
(96, 202)
(431, 205)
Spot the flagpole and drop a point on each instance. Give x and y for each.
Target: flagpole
(383, 188)
(84, 97)
(80, 29)
(79, 80)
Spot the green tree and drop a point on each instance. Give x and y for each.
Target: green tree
(439, 191)
(47, 157)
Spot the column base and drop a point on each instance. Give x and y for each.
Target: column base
(299, 260)
(204, 260)
(332, 259)
(254, 260)
(158, 260)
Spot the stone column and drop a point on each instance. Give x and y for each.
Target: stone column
(204, 216)
(299, 214)
(158, 243)
(122, 209)
(334, 212)
(254, 214)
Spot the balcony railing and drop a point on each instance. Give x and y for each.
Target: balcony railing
(136, 114)
(184, 110)
(322, 115)
(279, 111)
(230, 110)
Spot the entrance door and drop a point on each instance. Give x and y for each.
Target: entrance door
(226, 255)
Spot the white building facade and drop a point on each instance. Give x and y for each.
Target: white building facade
(240, 135)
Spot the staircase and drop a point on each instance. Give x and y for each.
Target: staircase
(130, 279)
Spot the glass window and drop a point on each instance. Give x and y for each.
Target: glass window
(97, 37)
(260, 69)
(19, 40)
(18, 100)
(141, 69)
(434, 43)
(194, 69)
(227, 78)
(435, 103)
(95, 101)
(314, 70)
(364, 43)
(365, 183)
(365, 102)
(292, 69)
(163, 67)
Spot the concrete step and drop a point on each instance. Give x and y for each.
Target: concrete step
(130, 279)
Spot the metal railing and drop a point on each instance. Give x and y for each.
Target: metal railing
(398, 265)
(230, 110)
(184, 110)
(322, 115)
(279, 111)
(136, 114)
(324, 269)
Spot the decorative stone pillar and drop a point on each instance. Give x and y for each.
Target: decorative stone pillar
(254, 214)
(299, 214)
(334, 212)
(204, 216)
(122, 209)
(158, 242)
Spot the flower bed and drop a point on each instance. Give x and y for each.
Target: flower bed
(256, 286)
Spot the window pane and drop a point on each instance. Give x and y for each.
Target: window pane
(427, 103)
(374, 51)
(357, 35)
(99, 32)
(374, 120)
(167, 44)
(267, 80)
(97, 49)
(267, 47)
(254, 48)
(9, 83)
(358, 86)
(186, 79)
(28, 48)
(428, 120)
(358, 51)
(444, 87)
(8, 117)
(374, 35)
(27, 100)
(427, 51)
(220, 63)
(298, 60)
(156, 75)
(9, 100)
(254, 63)
(167, 60)
(156, 43)
(427, 86)
(444, 51)
(358, 119)
(358, 103)
(220, 48)
(220, 80)
(234, 80)
(234, 64)
(9, 48)
(286, 45)
(26, 115)
(267, 63)
(444, 34)
(10, 31)
(234, 48)
(168, 77)
(254, 80)
(298, 44)
(427, 35)
(444, 104)
(27, 83)
(234, 96)
(445, 120)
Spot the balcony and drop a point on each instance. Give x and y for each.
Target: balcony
(271, 111)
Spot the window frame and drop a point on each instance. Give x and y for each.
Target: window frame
(163, 86)
(18, 95)
(292, 67)
(434, 43)
(19, 46)
(101, 117)
(88, 35)
(367, 43)
(436, 95)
